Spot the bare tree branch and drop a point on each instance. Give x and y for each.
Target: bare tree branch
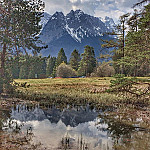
(140, 3)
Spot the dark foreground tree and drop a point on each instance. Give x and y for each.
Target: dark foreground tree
(118, 44)
(137, 49)
(19, 27)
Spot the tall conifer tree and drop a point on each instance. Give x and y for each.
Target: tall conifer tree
(50, 65)
(61, 57)
(137, 49)
(75, 59)
(88, 61)
(118, 44)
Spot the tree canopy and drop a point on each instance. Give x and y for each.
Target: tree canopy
(19, 27)
(132, 52)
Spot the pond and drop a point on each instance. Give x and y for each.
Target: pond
(76, 127)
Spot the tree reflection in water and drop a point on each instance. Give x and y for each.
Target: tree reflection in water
(69, 143)
(125, 126)
(12, 137)
(128, 130)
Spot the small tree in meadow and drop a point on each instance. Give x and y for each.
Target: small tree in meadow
(64, 71)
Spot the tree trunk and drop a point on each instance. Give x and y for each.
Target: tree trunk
(2, 67)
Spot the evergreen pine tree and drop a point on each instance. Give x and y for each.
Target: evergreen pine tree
(54, 70)
(137, 48)
(133, 21)
(75, 59)
(32, 72)
(24, 72)
(43, 66)
(15, 66)
(118, 44)
(37, 67)
(34, 66)
(61, 57)
(50, 65)
(88, 61)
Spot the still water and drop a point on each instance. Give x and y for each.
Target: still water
(77, 127)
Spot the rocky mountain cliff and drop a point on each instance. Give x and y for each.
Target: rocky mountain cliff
(74, 31)
(109, 23)
(44, 19)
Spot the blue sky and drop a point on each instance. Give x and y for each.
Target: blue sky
(98, 8)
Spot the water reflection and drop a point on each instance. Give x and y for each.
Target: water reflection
(77, 127)
(127, 129)
(54, 127)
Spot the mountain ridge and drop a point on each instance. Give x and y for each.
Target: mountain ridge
(73, 31)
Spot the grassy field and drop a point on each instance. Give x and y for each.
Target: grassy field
(69, 90)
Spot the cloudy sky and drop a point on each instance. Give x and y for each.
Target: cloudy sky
(98, 8)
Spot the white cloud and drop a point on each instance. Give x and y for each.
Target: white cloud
(99, 8)
(73, 1)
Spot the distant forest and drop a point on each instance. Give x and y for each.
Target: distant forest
(32, 66)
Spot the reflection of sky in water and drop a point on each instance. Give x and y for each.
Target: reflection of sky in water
(50, 133)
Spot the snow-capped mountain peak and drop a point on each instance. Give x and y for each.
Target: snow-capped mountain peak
(109, 22)
(73, 30)
(80, 25)
(44, 19)
(58, 15)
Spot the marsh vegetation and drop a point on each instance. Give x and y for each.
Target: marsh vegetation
(78, 127)
(74, 113)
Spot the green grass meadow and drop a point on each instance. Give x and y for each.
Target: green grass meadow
(69, 90)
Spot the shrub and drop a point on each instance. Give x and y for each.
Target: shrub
(103, 70)
(64, 71)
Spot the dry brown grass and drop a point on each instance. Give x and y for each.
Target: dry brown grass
(70, 90)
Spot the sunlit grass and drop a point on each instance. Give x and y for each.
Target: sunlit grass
(70, 90)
